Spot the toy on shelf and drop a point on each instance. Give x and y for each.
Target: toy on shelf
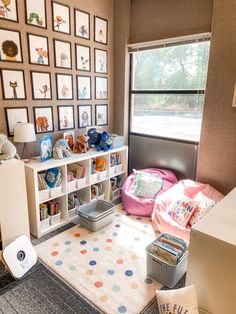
(7, 149)
(94, 137)
(101, 164)
(105, 142)
(61, 149)
(81, 144)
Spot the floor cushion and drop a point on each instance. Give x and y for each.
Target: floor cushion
(144, 206)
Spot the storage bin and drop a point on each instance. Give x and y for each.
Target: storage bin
(72, 212)
(71, 185)
(55, 219)
(44, 224)
(112, 171)
(55, 192)
(102, 175)
(164, 272)
(117, 141)
(93, 178)
(119, 168)
(81, 183)
(101, 197)
(96, 215)
(116, 193)
(44, 195)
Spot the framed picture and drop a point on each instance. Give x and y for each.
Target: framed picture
(101, 114)
(43, 119)
(45, 148)
(38, 49)
(13, 84)
(66, 117)
(82, 57)
(15, 115)
(35, 13)
(101, 87)
(41, 85)
(100, 30)
(62, 52)
(84, 116)
(83, 87)
(69, 136)
(100, 60)
(8, 10)
(60, 18)
(64, 86)
(10, 44)
(82, 24)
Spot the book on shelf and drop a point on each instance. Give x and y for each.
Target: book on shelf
(53, 177)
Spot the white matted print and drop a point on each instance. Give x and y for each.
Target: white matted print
(13, 84)
(8, 10)
(15, 115)
(83, 87)
(62, 52)
(61, 18)
(65, 117)
(41, 85)
(84, 116)
(101, 87)
(43, 119)
(82, 57)
(10, 46)
(82, 24)
(64, 86)
(100, 57)
(101, 115)
(100, 30)
(36, 13)
(38, 49)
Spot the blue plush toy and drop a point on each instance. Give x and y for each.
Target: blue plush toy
(105, 142)
(94, 137)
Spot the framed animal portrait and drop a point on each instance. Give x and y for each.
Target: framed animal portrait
(82, 57)
(100, 61)
(8, 10)
(83, 87)
(35, 13)
(101, 85)
(38, 49)
(66, 117)
(41, 85)
(10, 43)
(15, 115)
(60, 18)
(64, 86)
(100, 30)
(84, 115)
(43, 119)
(82, 24)
(62, 53)
(13, 84)
(101, 114)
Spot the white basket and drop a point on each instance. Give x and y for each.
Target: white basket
(102, 175)
(55, 192)
(71, 185)
(44, 195)
(72, 212)
(81, 183)
(55, 219)
(112, 171)
(116, 193)
(44, 224)
(101, 197)
(119, 168)
(93, 178)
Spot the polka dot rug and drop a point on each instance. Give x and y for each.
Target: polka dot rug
(108, 267)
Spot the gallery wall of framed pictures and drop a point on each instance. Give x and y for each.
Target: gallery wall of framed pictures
(55, 65)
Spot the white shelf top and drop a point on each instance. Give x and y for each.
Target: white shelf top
(51, 163)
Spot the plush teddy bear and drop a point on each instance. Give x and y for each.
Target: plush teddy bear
(105, 142)
(94, 137)
(7, 149)
(81, 144)
(61, 149)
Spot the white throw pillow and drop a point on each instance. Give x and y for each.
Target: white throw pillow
(182, 301)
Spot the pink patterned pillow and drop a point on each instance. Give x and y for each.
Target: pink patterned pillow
(182, 210)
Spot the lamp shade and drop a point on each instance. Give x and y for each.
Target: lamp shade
(24, 133)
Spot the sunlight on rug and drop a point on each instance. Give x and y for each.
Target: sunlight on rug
(108, 267)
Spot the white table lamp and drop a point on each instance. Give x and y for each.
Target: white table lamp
(24, 133)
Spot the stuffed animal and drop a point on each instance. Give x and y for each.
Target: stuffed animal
(81, 144)
(7, 149)
(61, 149)
(94, 137)
(105, 142)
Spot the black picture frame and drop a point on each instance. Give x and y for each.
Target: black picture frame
(69, 19)
(43, 124)
(96, 85)
(57, 86)
(34, 15)
(75, 21)
(42, 92)
(59, 119)
(96, 37)
(14, 91)
(79, 97)
(10, 39)
(55, 53)
(95, 61)
(96, 113)
(6, 109)
(79, 116)
(40, 57)
(8, 19)
(76, 58)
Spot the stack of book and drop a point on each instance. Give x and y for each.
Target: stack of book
(48, 208)
(115, 159)
(116, 182)
(74, 201)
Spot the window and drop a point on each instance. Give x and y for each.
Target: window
(167, 90)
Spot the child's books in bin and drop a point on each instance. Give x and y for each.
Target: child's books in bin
(52, 177)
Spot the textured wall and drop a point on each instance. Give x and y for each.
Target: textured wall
(102, 8)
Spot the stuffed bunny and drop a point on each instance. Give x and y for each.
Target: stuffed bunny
(7, 149)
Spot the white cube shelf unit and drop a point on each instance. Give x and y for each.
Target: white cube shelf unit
(82, 188)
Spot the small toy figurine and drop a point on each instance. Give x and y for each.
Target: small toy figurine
(81, 144)
(105, 142)
(94, 137)
(61, 149)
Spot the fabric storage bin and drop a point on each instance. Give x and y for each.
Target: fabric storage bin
(119, 168)
(102, 175)
(55, 219)
(164, 272)
(81, 183)
(96, 215)
(55, 192)
(71, 185)
(112, 171)
(72, 212)
(44, 195)
(93, 178)
(44, 224)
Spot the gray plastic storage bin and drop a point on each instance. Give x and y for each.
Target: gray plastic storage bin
(96, 215)
(163, 272)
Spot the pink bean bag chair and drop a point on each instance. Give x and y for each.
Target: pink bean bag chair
(183, 205)
(144, 206)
